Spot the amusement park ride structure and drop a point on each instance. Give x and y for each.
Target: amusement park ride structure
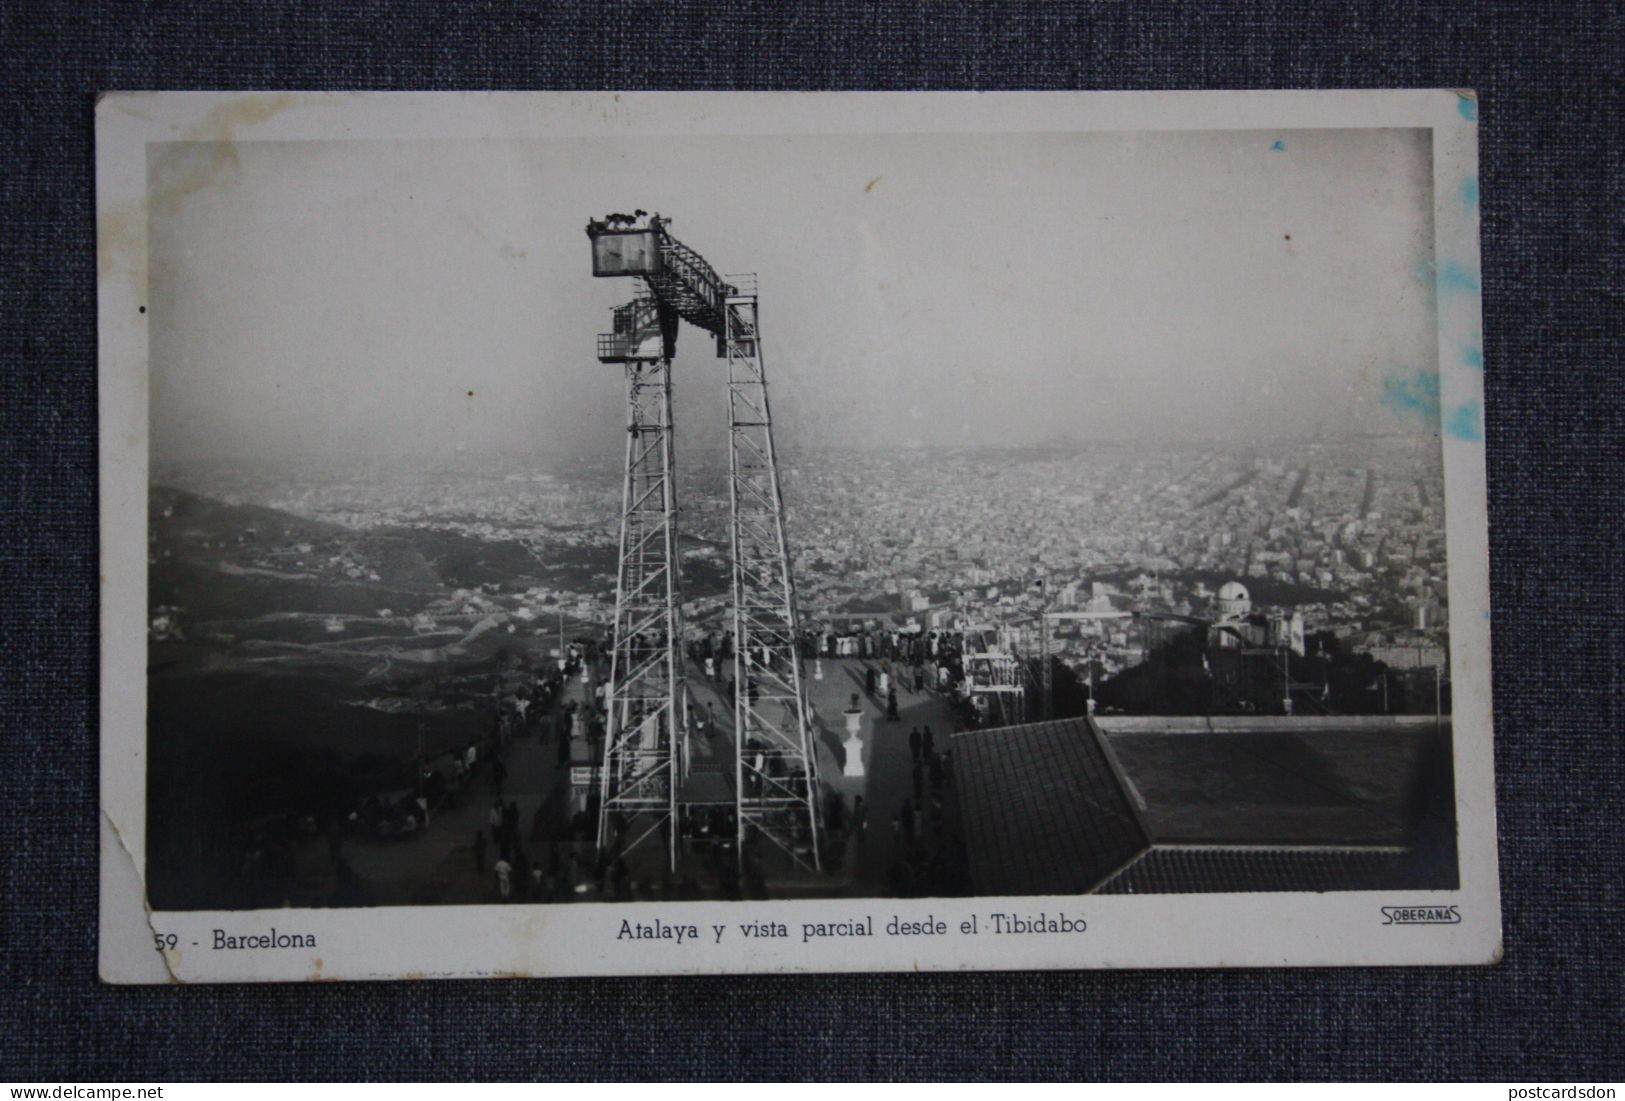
(644, 759)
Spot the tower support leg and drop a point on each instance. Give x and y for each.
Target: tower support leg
(776, 768)
(646, 698)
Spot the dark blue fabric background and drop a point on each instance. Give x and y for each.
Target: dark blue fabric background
(1550, 82)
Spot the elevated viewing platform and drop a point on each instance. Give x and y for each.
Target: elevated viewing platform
(640, 245)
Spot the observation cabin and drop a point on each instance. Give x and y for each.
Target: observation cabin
(680, 285)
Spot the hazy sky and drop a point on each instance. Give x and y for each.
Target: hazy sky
(316, 298)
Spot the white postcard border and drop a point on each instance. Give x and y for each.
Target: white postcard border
(1239, 930)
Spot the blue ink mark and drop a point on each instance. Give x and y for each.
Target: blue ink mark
(1453, 277)
(1468, 106)
(1466, 422)
(1473, 357)
(1469, 191)
(1278, 146)
(1416, 396)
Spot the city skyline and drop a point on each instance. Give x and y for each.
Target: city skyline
(1319, 519)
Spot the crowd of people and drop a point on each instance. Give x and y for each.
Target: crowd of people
(927, 857)
(935, 657)
(556, 858)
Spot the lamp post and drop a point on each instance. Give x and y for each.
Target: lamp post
(1046, 675)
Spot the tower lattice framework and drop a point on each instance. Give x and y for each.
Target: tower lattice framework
(775, 779)
(646, 699)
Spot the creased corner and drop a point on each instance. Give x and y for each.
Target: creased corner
(146, 907)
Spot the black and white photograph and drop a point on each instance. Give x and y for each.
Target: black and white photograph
(858, 522)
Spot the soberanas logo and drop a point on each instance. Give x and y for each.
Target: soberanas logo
(1421, 915)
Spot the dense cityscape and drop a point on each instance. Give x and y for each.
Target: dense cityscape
(1349, 533)
(339, 658)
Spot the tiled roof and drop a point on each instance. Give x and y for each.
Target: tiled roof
(1289, 783)
(1042, 809)
(1173, 870)
(1178, 806)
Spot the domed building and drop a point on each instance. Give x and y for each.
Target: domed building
(1233, 601)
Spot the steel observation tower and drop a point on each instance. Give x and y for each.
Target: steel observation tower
(645, 748)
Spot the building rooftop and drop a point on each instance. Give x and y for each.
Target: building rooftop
(1176, 805)
(1175, 870)
(1042, 809)
(1304, 780)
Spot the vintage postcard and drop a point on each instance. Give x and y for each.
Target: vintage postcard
(1104, 584)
